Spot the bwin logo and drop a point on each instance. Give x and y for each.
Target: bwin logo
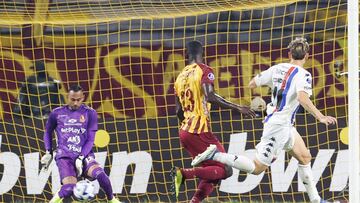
(72, 121)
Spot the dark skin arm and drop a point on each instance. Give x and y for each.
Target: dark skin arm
(214, 98)
(179, 111)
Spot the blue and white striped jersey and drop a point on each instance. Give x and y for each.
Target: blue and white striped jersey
(285, 80)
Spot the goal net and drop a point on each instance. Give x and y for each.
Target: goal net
(127, 54)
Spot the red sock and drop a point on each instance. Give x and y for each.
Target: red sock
(204, 189)
(206, 173)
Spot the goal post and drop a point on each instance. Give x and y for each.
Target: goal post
(353, 78)
(127, 54)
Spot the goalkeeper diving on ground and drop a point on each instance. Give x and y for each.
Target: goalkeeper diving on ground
(75, 125)
(291, 86)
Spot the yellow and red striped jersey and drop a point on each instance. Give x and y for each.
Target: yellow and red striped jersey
(188, 88)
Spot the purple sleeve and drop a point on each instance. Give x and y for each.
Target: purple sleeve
(50, 126)
(91, 130)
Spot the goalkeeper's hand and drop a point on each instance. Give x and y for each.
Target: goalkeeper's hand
(79, 165)
(46, 161)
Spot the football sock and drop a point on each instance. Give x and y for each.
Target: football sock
(66, 190)
(306, 176)
(204, 189)
(237, 161)
(104, 181)
(206, 173)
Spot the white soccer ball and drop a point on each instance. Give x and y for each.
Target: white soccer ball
(84, 190)
(258, 104)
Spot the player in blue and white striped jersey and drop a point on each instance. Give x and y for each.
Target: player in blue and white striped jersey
(291, 87)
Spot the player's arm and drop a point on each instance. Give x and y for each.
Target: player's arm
(252, 84)
(305, 102)
(207, 86)
(304, 91)
(179, 110)
(49, 129)
(214, 98)
(262, 79)
(91, 130)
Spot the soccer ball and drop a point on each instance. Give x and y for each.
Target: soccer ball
(84, 190)
(258, 104)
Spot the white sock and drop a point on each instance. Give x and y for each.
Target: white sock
(308, 180)
(237, 161)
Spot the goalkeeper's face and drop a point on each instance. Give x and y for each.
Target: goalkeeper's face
(75, 99)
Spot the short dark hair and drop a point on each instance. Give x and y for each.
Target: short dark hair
(193, 49)
(75, 88)
(298, 48)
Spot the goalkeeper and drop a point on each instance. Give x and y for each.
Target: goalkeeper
(75, 125)
(291, 86)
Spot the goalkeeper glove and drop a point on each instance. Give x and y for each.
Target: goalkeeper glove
(46, 160)
(79, 165)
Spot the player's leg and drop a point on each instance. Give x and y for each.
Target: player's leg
(239, 162)
(94, 171)
(68, 178)
(206, 172)
(68, 184)
(302, 154)
(266, 150)
(211, 170)
(210, 173)
(196, 143)
(204, 189)
(272, 141)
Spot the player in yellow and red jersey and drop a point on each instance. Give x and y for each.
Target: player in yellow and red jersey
(193, 102)
(194, 89)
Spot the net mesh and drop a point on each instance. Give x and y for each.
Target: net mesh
(127, 54)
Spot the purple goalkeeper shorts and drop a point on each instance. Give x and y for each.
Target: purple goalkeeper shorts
(67, 167)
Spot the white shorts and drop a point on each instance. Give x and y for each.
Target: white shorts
(274, 139)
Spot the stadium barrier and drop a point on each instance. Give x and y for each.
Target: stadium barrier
(135, 162)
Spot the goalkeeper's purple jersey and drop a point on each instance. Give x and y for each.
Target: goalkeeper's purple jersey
(75, 131)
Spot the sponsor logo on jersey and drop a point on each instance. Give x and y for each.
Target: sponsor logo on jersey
(277, 80)
(82, 119)
(70, 130)
(281, 72)
(72, 120)
(74, 139)
(74, 148)
(211, 76)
